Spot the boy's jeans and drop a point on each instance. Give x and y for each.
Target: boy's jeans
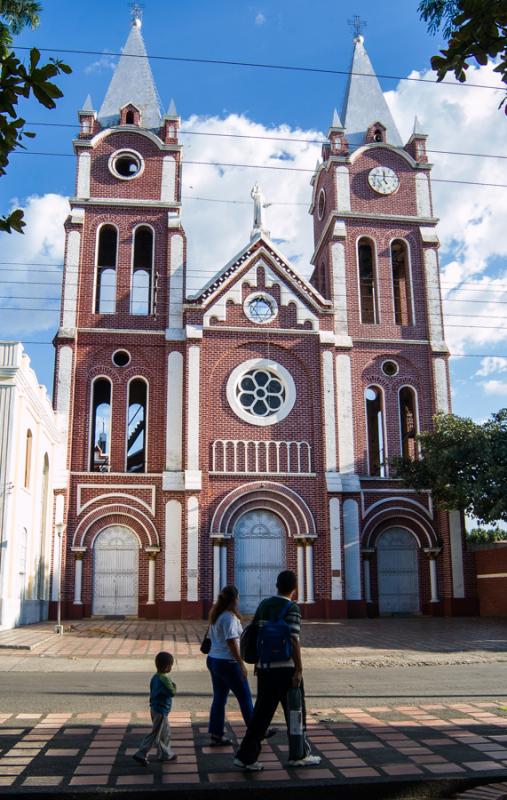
(160, 735)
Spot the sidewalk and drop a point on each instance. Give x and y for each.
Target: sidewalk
(362, 748)
(97, 644)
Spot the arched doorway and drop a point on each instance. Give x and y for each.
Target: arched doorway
(397, 569)
(115, 572)
(259, 555)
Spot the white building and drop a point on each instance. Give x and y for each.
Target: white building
(29, 450)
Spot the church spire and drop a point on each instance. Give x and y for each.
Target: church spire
(365, 103)
(132, 82)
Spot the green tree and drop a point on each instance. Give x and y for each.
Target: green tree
(19, 80)
(475, 29)
(464, 464)
(485, 535)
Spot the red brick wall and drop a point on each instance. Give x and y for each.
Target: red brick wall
(492, 592)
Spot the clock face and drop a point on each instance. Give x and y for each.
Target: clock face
(383, 180)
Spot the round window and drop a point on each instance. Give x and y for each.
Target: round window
(261, 392)
(322, 203)
(121, 358)
(390, 368)
(260, 308)
(126, 164)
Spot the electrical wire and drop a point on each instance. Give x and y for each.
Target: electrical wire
(272, 167)
(288, 139)
(257, 65)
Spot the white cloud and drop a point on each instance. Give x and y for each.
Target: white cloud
(459, 118)
(31, 273)
(492, 364)
(260, 18)
(495, 387)
(105, 63)
(217, 231)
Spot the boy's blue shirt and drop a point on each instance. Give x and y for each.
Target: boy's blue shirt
(162, 691)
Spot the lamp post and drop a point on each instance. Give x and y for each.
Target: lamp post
(59, 626)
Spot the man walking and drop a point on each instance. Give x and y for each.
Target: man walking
(279, 668)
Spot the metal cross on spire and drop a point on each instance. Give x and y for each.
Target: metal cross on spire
(358, 25)
(136, 12)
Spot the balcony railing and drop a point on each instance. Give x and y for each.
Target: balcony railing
(264, 457)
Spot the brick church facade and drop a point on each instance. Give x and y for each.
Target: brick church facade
(221, 437)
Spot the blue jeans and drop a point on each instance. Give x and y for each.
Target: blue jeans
(226, 677)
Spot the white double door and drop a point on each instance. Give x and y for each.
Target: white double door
(115, 572)
(259, 555)
(398, 573)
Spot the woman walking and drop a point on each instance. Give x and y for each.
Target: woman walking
(228, 670)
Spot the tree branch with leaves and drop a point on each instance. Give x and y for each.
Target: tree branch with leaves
(464, 464)
(17, 81)
(475, 30)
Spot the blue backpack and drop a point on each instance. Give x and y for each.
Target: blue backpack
(274, 640)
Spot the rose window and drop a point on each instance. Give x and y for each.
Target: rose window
(260, 309)
(260, 392)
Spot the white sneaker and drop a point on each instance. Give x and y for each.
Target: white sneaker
(307, 761)
(255, 767)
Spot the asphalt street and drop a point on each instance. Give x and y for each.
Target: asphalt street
(366, 686)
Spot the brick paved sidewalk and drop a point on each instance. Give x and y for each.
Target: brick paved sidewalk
(365, 642)
(63, 752)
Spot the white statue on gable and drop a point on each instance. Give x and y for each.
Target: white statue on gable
(259, 204)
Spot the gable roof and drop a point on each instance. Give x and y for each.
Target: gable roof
(233, 269)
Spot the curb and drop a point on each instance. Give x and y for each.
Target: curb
(432, 789)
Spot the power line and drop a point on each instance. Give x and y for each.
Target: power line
(258, 65)
(295, 140)
(276, 168)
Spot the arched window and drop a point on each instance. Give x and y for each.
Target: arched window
(367, 281)
(408, 422)
(137, 426)
(28, 458)
(377, 464)
(43, 570)
(100, 447)
(401, 283)
(142, 271)
(105, 290)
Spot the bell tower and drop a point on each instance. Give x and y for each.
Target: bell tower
(123, 290)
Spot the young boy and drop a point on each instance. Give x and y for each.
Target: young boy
(162, 691)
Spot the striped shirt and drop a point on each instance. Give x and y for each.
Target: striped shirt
(270, 609)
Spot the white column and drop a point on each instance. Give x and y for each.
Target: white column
(339, 289)
(223, 563)
(433, 298)
(151, 579)
(352, 551)
(172, 551)
(174, 413)
(329, 411)
(336, 549)
(456, 537)
(367, 580)
(78, 579)
(70, 281)
(216, 570)
(301, 571)
(433, 580)
(83, 175)
(193, 409)
(309, 572)
(441, 386)
(193, 549)
(345, 414)
(176, 281)
(342, 178)
(168, 187)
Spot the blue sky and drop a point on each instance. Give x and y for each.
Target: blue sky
(265, 102)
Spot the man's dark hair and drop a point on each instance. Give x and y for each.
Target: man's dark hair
(163, 660)
(286, 581)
